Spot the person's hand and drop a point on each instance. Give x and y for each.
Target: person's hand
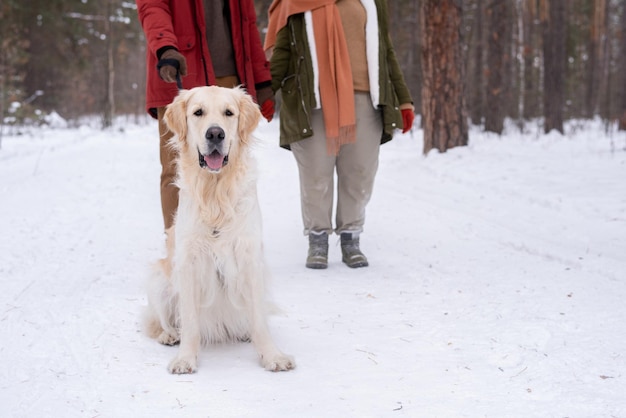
(265, 98)
(407, 119)
(267, 109)
(171, 63)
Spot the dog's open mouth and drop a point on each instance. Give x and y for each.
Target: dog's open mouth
(213, 161)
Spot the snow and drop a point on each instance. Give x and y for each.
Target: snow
(496, 284)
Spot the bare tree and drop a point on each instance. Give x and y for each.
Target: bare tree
(476, 88)
(404, 14)
(13, 44)
(497, 15)
(443, 107)
(262, 7)
(109, 75)
(596, 74)
(622, 120)
(554, 58)
(520, 52)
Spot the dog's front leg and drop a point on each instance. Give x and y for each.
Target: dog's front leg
(271, 357)
(188, 307)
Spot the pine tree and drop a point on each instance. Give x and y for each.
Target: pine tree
(443, 104)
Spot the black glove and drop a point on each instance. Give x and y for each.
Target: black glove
(171, 64)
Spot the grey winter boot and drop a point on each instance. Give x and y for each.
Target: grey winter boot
(318, 250)
(350, 251)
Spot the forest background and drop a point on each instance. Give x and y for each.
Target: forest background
(80, 58)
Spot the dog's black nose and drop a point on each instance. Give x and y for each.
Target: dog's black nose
(215, 134)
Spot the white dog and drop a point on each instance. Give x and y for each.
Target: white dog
(211, 286)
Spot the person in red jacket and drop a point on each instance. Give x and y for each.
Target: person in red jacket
(193, 43)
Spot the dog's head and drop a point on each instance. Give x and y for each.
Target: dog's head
(212, 124)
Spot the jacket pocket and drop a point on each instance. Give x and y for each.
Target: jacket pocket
(187, 45)
(186, 42)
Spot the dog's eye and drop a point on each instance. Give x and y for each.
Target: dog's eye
(228, 112)
(198, 112)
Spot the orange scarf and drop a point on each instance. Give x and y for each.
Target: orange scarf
(335, 73)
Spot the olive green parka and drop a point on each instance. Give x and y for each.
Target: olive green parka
(291, 67)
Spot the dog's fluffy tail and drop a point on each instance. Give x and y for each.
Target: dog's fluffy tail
(151, 325)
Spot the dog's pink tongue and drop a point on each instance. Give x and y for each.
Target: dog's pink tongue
(214, 161)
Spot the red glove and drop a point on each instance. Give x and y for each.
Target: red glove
(407, 119)
(267, 109)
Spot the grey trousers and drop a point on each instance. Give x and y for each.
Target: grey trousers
(356, 167)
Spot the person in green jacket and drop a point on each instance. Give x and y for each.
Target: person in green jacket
(343, 95)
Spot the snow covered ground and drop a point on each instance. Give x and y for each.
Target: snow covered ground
(496, 286)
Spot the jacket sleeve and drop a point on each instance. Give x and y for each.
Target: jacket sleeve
(260, 64)
(279, 62)
(156, 21)
(397, 78)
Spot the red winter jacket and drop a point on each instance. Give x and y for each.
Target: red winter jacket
(181, 24)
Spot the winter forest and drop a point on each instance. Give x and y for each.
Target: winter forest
(495, 234)
(530, 61)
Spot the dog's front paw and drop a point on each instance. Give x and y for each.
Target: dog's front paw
(278, 362)
(167, 338)
(183, 365)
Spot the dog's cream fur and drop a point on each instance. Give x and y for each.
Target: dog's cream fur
(211, 286)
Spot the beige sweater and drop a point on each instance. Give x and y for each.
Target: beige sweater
(353, 19)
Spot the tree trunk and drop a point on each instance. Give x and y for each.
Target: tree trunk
(109, 74)
(521, 36)
(443, 107)
(622, 120)
(496, 56)
(596, 76)
(554, 58)
(476, 94)
(532, 81)
(261, 7)
(402, 15)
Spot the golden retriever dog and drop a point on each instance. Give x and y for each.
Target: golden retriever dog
(211, 287)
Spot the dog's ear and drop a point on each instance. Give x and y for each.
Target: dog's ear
(249, 115)
(175, 115)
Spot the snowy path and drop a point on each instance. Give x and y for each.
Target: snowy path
(497, 285)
